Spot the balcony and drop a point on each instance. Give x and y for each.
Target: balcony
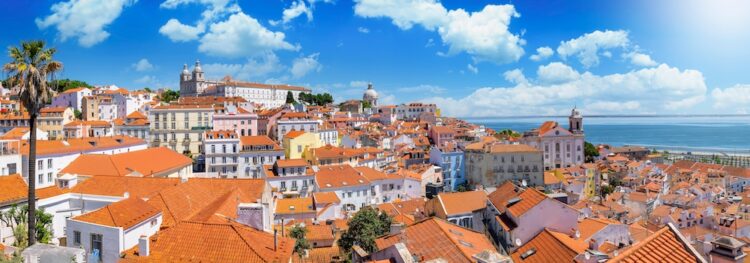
(172, 142)
(186, 142)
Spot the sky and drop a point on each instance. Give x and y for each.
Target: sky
(472, 58)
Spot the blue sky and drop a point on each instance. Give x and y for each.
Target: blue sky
(473, 58)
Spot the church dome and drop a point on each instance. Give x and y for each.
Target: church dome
(197, 66)
(185, 70)
(370, 93)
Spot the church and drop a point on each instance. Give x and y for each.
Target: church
(561, 147)
(269, 95)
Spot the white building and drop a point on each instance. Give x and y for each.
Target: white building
(268, 95)
(298, 121)
(110, 230)
(53, 156)
(561, 147)
(231, 156)
(71, 98)
(415, 111)
(290, 177)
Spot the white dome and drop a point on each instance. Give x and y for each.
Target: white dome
(370, 93)
(197, 66)
(185, 70)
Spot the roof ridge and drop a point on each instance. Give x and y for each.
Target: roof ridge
(565, 244)
(444, 231)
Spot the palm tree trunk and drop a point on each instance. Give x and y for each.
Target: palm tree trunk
(31, 224)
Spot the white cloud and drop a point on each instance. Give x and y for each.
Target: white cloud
(430, 43)
(556, 72)
(484, 34)
(640, 59)
(658, 89)
(179, 32)
(363, 30)
(302, 66)
(147, 79)
(241, 36)
(424, 88)
(84, 20)
(542, 53)
(142, 65)
(472, 68)
(297, 9)
(586, 48)
(251, 69)
(215, 11)
(515, 76)
(358, 84)
(736, 97)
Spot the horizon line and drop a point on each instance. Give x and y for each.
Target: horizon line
(613, 116)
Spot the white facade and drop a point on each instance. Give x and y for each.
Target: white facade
(71, 98)
(227, 157)
(50, 164)
(114, 240)
(329, 136)
(413, 111)
(283, 126)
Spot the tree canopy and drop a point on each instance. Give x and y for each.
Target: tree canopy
(169, 96)
(301, 245)
(319, 99)
(290, 98)
(61, 85)
(590, 151)
(366, 225)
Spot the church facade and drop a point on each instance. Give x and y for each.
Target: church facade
(268, 95)
(560, 147)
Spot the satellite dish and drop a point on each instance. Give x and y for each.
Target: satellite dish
(578, 234)
(587, 255)
(518, 242)
(523, 182)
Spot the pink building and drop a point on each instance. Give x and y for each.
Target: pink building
(238, 119)
(442, 134)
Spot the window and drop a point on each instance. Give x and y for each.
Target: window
(39, 179)
(49, 177)
(40, 164)
(77, 238)
(96, 244)
(49, 163)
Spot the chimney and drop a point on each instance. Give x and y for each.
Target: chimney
(143, 248)
(275, 240)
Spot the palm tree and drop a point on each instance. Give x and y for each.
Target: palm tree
(30, 67)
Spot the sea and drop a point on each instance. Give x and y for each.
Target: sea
(710, 134)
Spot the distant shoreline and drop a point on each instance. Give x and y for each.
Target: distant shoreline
(612, 116)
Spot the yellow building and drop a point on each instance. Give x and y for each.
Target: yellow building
(592, 180)
(296, 143)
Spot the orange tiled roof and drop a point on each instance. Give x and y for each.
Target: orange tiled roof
(14, 188)
(435, 238)
(550, 246)
(136, 115)
(293, 134)
(146, 162)
(529, 198)
(334, 176)
(290, 206)
(499, 198)
(118, 186)
(50, 191)
(291, 163)
(126, 213)
(665, 245)
(190, 241)
(462, 202)
(16, 133)
(258, 140)
(81, 145)
(326, 198)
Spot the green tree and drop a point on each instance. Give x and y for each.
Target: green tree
(366, 225)
(366, 104)
(290, 97)
(169, 96)
(30, 68)
(147, 89)
(16, 218)
(66, 84)
(298, 232)
(78, 114)
(590, 151)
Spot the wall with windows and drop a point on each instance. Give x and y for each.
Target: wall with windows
(88, 236)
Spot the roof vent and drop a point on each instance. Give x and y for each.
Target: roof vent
(528, 253)
(344, 183)
(291, 208)
(467, 244)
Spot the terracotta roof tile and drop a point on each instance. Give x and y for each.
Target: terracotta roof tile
(145, 162)
(550, 246)
(289, 206)
(529, 198)
(435, 238)
(190, 241)
(14, 188)
(665, 245)
(462, 202)
(326, 198)
(335, 176)
(126, 213)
